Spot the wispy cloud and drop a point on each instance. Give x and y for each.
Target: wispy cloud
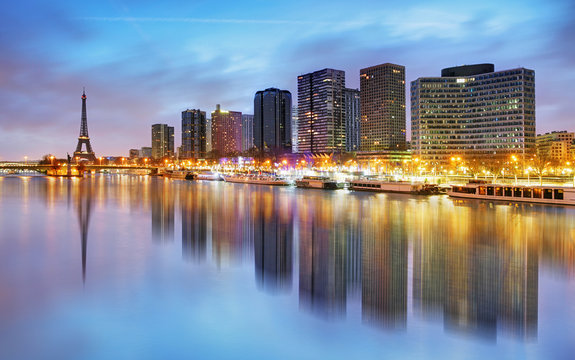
(215, 21)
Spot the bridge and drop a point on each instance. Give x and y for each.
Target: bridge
(35, 167)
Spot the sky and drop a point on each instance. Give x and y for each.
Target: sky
(143, 62)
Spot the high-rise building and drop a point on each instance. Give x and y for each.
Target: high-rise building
(194, 134)
(294, 119)
(247, 132)
(208, 135)
(226, 131)
(555, 146)
(321, 118)
(162, 141)
(382, 97)
(352, 120)
(146, 152)
(475, 112)
(134, 154)
(272, 120)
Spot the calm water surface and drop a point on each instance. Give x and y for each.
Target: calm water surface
(128, 267)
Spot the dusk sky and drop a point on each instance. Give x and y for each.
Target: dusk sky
(143, 62)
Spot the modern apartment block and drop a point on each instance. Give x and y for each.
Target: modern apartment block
(226, 131)
(247, 132)
(321, 113)
(162, 141)
(556, 146)
(382, 94)
(272, 120)
(475, 112)
(194, 134)
(352, 120)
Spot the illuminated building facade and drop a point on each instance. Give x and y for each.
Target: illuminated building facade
(352, 119)
(556, 146)
(194, 134)
(294, 119)
(321, 113)
(162, 141)
(272, 120)
(247, 132)
(226, 131)
(473, 111)
(382, 94)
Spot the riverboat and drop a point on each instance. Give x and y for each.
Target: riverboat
(257, 179)
(176, 174)
(210, 176)
(403, 187)
(559, 195)
(318, 182)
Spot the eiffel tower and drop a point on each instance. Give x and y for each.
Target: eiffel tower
(84, 138)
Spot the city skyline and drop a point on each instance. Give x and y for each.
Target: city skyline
(144, 64)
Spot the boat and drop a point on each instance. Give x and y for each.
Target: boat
(403, 187)
(318, 182)
(210, 176)
(176, 174)
(257, 179)
(559, 195)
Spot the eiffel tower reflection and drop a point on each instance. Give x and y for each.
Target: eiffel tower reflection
(85, 190)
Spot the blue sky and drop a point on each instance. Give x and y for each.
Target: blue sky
(143, 62)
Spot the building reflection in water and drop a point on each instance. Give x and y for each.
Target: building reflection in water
(273, 241)
(195, 216)
(384, 269)
(163, 208)
(479, 271)
(474, 265)
(322, 250)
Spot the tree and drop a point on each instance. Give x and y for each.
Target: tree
(493, 166)
(540, 165)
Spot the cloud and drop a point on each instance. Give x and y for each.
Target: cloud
(213, 21)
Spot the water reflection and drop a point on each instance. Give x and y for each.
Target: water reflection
(163, 209)
(273, 241)
(384, 270)
(82, 195)
(471, 267)
(195, 217)
(322, 254)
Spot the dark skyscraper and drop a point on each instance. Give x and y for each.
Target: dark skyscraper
(321, 115)
(352, 119)
(272, 120)
(382, 107)
(194, 134)
(162, 141)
